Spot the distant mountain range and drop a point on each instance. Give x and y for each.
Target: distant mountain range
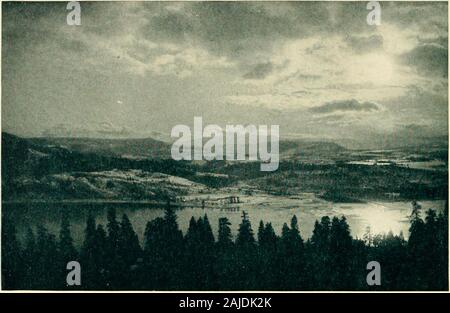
(152, 148)
(132, 148)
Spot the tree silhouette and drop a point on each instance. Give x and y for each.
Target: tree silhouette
(330, 260)
(245, 255)
(46, 254)
(93, 257)
(340, 254)
(128, 243)
(113, 232)
(245, 236)
(292, 256)
(11, 266)
(225, 239)
(29, 256)
(225, 266)
(66, 249)
(268, 261)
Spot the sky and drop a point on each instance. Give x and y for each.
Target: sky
(137, 69)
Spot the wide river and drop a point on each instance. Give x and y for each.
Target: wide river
(381, 217)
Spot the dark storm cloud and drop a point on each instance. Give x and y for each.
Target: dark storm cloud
(32, 11)
(239, 21)
(169, 26)
(430, 59)
(33, 22)
(233, 29)
(259, 71)
(240, 29)
(224, 28)
(428, 16)
(345, 105)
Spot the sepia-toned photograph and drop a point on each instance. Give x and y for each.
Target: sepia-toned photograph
(224, 146)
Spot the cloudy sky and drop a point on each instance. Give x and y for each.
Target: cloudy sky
(137, 69)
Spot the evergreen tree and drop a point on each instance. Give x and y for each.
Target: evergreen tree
(128, 252)
(67, 250)
(171, 229)
(431, 242)
(291, 265)
(92, 257)
(113, 232)
(390, 251)
(245, 256)
(154, 256)
(224, 239)
(245, 235)
(100, 245)
(321, 234)
(284, 256)
(191, 256)
(268, 238)
(164, 251)
(441, 265)
(320, 257)
(174, 251)
(29, 258)
(295, 234)
(297, 278)
(415, 213)
(226, 260)
(191, 234)
(12, 272)
(199, 256)
(285, 233)
(261, 230)
(128, 245)
(340, 253)
(208, 236)
(115, 267)
(416, 248)
(267, 261)
(47, 253)
(100, 255)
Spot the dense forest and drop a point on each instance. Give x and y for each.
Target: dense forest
(112, 258)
